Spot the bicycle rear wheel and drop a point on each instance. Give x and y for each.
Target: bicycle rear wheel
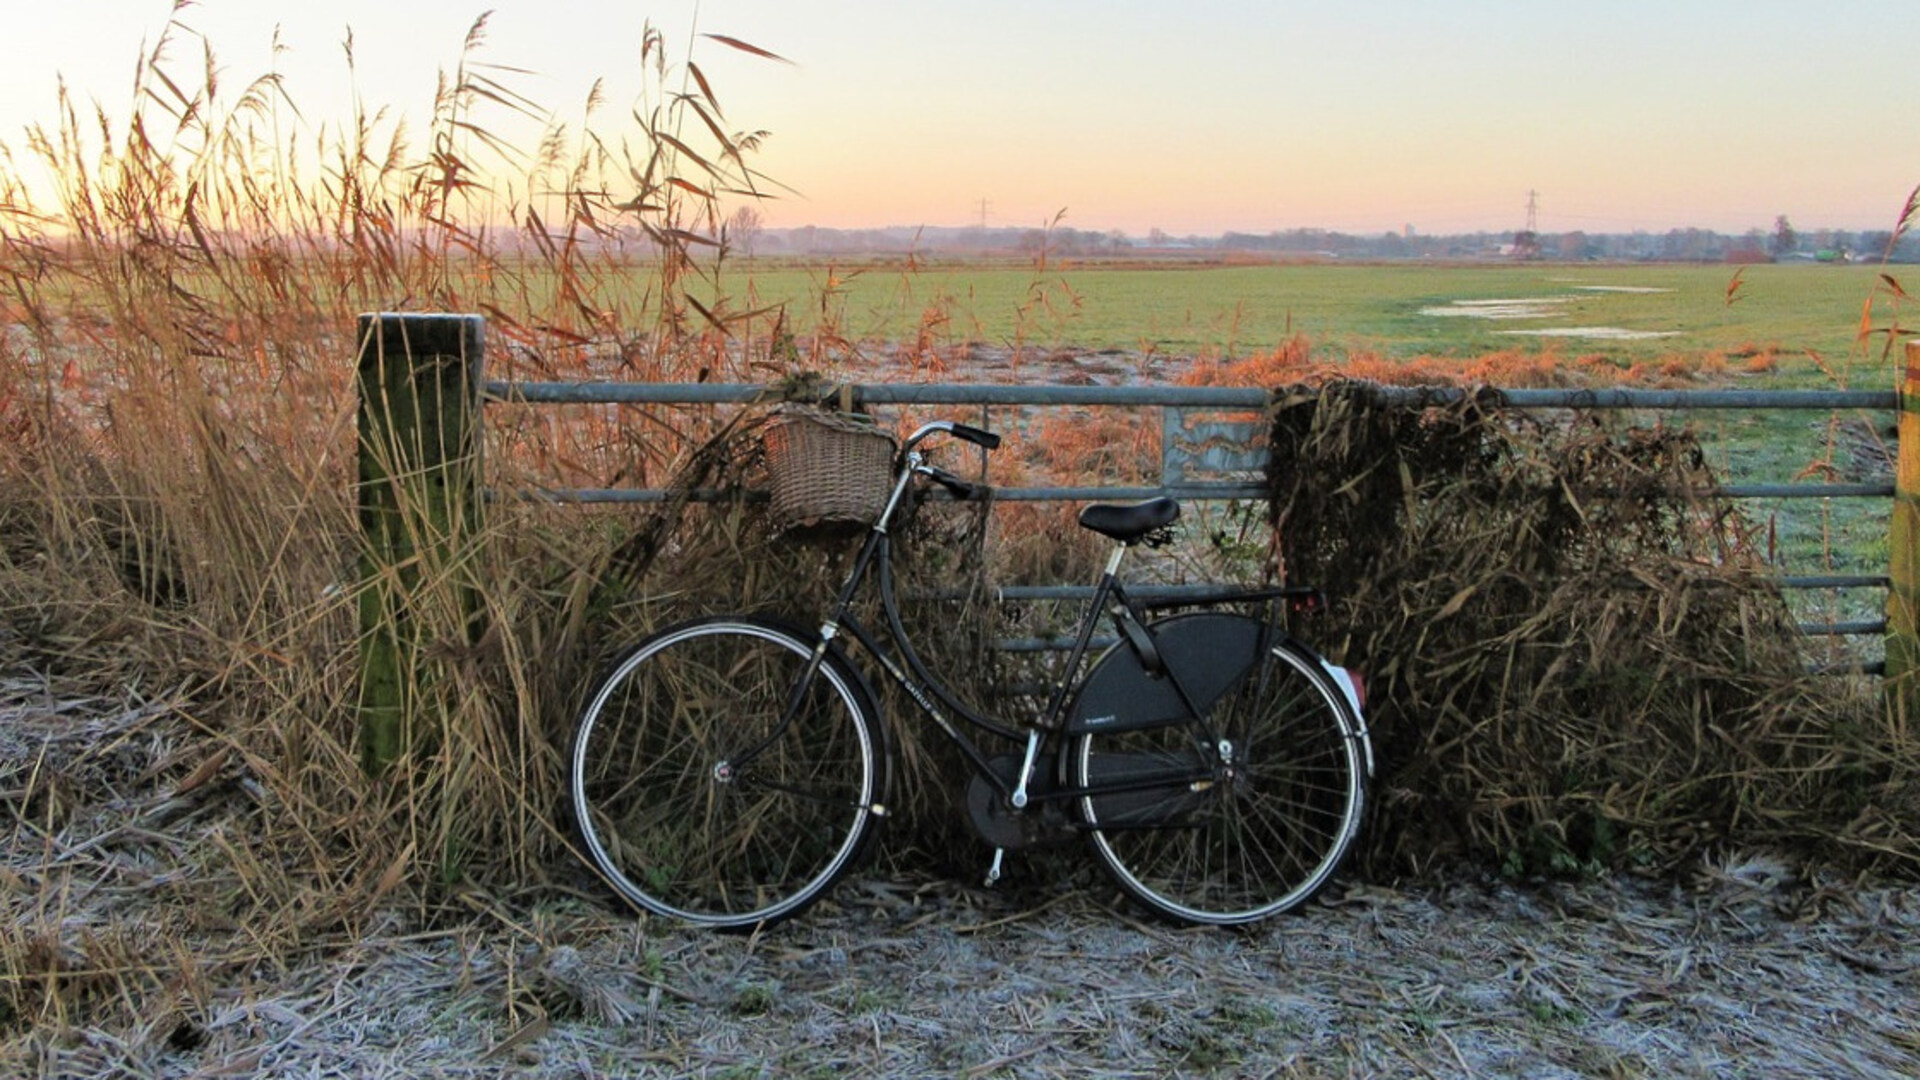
(1262, 840)
(697, 800)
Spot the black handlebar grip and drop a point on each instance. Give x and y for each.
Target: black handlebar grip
(984, 439)
(961, 489)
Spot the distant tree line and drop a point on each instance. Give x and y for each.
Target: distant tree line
(1782, 243)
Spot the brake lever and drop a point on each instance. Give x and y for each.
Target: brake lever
(961, 489)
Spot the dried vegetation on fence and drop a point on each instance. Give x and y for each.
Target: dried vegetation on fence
(1576, 657)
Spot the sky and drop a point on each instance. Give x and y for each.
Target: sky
(1193, 117)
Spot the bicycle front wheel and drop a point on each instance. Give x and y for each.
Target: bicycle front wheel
(1262, 839)
(713, 780)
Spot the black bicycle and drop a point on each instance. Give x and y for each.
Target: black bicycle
(729, 770)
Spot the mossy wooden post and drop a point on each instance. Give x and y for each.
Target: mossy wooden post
(1903, 600)
(419, 490)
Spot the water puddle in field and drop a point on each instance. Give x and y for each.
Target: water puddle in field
(1529, 307)
(1545, 307)
(1595, 333)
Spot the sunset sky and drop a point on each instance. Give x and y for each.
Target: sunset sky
(1193, 117)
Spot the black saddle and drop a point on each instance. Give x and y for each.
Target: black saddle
(1130, 524)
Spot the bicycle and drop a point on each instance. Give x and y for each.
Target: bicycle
(729, 770)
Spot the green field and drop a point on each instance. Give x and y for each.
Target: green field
(1196, 308)
(1803, 319)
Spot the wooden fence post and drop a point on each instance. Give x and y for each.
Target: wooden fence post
(1903, 599)
(418, 497)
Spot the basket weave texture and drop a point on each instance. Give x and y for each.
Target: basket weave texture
(824, 468)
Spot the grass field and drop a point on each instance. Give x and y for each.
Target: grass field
(1793, 312)
(1762, 327)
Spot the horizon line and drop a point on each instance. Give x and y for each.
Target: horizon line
(1408, 230)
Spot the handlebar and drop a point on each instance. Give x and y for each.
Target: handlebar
(986, 440)
(960, 489)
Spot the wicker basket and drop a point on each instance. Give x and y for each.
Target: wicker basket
(826, 469)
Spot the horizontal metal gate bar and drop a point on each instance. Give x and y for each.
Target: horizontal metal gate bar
(1222, 449)
(1214, 397)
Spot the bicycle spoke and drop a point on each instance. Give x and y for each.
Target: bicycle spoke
(677, 833)
(1274, 832)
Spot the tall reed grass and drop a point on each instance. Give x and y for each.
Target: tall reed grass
(177, 481)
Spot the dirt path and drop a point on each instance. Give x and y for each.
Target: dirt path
(173, 955)
(1741, 974)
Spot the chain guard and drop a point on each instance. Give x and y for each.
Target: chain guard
(1043, 822)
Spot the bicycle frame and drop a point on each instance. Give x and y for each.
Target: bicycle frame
(901, 662)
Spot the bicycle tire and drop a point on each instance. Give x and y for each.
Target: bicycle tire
(1269, 837)
(681, 828)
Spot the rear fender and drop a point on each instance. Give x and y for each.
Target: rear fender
(1348, 682)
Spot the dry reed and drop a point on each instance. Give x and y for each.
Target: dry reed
(176, 488)
(1576, 660)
